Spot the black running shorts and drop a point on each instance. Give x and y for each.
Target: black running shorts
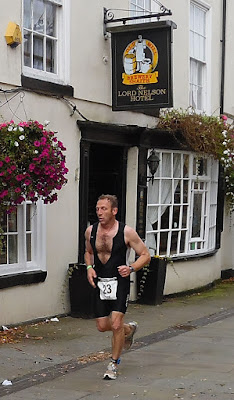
(103, 308)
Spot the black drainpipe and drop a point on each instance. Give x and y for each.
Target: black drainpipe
(221, 194)
(223, 41)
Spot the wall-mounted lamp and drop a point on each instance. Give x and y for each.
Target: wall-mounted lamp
(152, 162)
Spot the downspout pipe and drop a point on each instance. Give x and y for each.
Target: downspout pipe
(223, 41)
(221, 194)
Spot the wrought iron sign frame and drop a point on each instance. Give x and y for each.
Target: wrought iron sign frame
(109, 17)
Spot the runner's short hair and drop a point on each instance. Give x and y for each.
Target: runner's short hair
(110, 197)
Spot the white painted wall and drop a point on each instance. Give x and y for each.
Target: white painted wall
(193, 274)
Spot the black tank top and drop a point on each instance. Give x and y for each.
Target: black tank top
(118, 254)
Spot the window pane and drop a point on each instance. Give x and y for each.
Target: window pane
(3, 222)
(37, 53)
(165, 219)
(27, 48)
(163, 242)
(27, 14)
(12, 222)
(38, 16)
(13, 249)
(166, 165)
(199, 99)
(197, 207)
(185, 166)
(50, 19)
(28, 217)
(184, 216)
(29, 246)
(185, 191)
(176, 165)
(49, 55)
(177, 192)
(176, 216)
(3, 254)
(182, 242)
(174, 240)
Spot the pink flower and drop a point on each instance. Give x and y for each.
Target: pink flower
(7, 159)
(37, 143)
(19, 200)
(1, 164)
(17, 190)
(27, 182)
(19, 177)
(4, 193)
(31, 167)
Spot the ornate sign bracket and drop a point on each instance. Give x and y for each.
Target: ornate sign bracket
(109, 17)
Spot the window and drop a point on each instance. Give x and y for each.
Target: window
(141, 7)
(198, 57)
(138, 7)
(44, 33)
(23, 245)
(181, 207)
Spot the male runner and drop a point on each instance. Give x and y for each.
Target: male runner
(108, 243)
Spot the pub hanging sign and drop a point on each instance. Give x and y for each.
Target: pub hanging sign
(141, 66)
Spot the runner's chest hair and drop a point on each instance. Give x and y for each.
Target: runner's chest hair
(104, 243)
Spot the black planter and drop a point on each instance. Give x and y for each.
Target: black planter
(151, 281)
(81, 293)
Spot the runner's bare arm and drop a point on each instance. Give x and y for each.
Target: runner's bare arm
(89, 260)
(133, 240)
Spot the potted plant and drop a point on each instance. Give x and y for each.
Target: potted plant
(80, 291)
(151, 281)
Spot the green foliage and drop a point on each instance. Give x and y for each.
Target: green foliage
(208, 135)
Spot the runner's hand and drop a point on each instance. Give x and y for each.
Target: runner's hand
(124, 270)
(91, 275)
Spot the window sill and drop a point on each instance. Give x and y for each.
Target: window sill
(194, 256)
(20, 279)
(46, 87)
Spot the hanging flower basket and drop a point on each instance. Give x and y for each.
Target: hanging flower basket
(32, 164)
(205, 135)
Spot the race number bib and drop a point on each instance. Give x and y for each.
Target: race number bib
(108, 288)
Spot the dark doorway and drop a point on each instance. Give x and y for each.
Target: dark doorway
(107, 175)
(102, 171)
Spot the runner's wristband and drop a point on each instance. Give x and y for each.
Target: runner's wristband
(89, 266)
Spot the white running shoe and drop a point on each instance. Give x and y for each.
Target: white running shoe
(111, 372)
(129, 339)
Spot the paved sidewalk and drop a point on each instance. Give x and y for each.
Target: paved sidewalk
(183, 349)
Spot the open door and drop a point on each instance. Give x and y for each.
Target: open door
(103, 171)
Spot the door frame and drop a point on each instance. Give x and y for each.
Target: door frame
(93, 132)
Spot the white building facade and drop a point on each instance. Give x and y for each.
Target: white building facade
(62, 73)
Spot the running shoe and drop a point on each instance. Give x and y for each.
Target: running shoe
(129, 339)
(111, 372)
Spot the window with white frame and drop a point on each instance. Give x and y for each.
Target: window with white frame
(198, 56)
(23, 239)
(45, 52)
(182, 205)
(141, 7)
(138, 7)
